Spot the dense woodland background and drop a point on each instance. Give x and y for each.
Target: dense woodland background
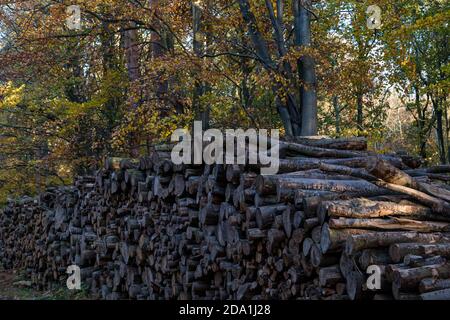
(137, 70)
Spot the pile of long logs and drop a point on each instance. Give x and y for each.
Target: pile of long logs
(337, 222)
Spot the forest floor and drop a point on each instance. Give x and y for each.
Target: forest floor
(13, 286)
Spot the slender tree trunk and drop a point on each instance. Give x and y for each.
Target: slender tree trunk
(420, 124)
(109, 66)
(359, 108)
(132, 54)
(208, 42)
(158, 50)
(284, 115)
(337, 115)
(74, 90)
(245, 90)
(440, 132)
(107, 44)
(201, 112)
(158, 40)
(306, 67)
(447, 128)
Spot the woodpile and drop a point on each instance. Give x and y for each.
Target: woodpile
(148, 229)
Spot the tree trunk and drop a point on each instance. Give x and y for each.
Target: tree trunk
(201, 111)
(443, 294)
(390, 224)
(400, 250)
(409, 279)
(364, 208)
(360, 116)
(420, 124)
(132, 54)
(351, 143)
(337, 115)
(332, 239)
(385, 239)
(159, 46)
(431, 284)
(440, 132)
(306, 68)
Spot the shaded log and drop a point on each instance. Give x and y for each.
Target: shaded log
(320, 259)
(351, 143)
(409, 279)
(438, 205)
(292, 165)
(310, 204)
(333, 239)
(294, 183)
(365, 208)
(432, 284)
(370, 257)
(399, 250)
(390, 224)
(384, 239)
(443, 294)
(265, 216)
(318, 152)
(385, 171)
(330, 276)
(414, 261)
(306, 248)
(353, 172)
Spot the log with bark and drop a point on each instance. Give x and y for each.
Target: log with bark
(148, 229)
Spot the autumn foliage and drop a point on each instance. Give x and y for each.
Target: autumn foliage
(136, 70)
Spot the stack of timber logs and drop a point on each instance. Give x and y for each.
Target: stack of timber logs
(149, 229)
